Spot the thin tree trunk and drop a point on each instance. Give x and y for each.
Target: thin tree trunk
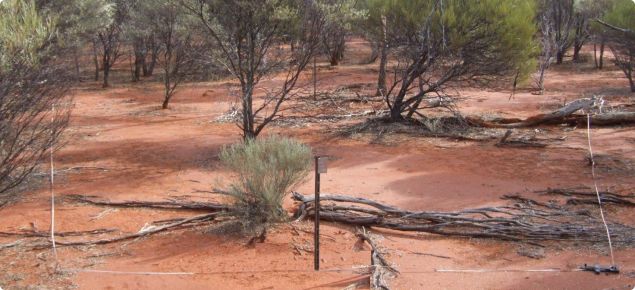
(76, 56)
(138, 59)
(541, 82)
(595, 52)
(577, 46)
(416, 105)
(153, 59)
(106, 74)
(381, 83)
(602, 43)
(95, 60)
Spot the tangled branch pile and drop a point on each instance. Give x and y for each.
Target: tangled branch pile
(529, 221)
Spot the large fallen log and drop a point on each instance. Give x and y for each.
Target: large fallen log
(526, 224)
(555, 116)
(564, 115)
(606, 119)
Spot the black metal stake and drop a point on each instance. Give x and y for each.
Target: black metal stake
(317, 215)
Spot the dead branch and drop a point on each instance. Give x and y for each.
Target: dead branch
(171, 205)
(34, 233)
(607, 197)
(431, 255)
(518, 223)
(382, 270)
(517, 142)
(149, 231)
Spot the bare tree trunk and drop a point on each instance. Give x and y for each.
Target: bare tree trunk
(335, 61)
(595, 52)
(95, 60)
(381, 83)
(76, 56)
(138, 62)
(144, 67)
(541, 81)
(106, 74)
(560, 57)
(577, 46)
(415, 106)
(168, 84)
(153, 58)
(602, 43)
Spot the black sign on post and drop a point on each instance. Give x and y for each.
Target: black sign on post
(320, 167)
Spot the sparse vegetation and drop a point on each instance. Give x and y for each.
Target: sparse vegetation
(428, 141)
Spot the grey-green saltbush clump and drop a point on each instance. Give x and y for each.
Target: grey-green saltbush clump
(265, 170)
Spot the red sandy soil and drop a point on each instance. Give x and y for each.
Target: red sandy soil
(155, 154)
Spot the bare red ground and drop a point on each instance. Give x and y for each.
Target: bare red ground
(157, 154)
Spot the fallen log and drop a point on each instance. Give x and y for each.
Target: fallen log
(523, 224)
(167, 205)
(606, 119)
(555, 116)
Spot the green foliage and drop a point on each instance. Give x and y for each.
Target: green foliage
(24, 33)
(622, 14)
(265, 170)
(622, 36)
(450, 42)
(33, 80)
(79, 20)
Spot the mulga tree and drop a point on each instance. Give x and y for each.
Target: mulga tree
(250, 35)
(78, 21)
(179, 44)
(109, 41)
(375, 29)
(594, 10)
(452, 43)
(582, 19)
(340, 15)
(33, 84)
(557, 20)
(620, 32)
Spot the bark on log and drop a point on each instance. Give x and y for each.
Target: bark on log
(549, 118)
(526, 224)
